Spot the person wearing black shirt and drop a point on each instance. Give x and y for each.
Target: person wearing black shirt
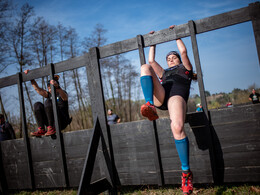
(170, 92)
(44, 112)
(254, 97)
(6, 129)
(112, 118)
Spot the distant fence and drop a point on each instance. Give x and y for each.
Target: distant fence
(224, 144)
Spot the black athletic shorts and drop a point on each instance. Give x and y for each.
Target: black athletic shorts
(179, 86)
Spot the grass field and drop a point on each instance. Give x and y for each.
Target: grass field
(170, 190)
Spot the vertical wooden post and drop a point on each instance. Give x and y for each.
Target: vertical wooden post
(58, 131)
(212, 150)
(140, 42)
(3, 182)
(158, 160)
(198, 67)
(24, 130)
(90, 160)
(98, 103)
(85, 187)
(254, 11)
(96, 88)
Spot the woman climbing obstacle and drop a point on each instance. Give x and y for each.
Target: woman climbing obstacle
(44, 112)
(170, 93)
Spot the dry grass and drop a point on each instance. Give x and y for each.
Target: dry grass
(147, 190)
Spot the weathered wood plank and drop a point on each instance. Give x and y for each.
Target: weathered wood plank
(235, 114)
(15, 164)
(254, 12)
(222, 20)
(62, 66)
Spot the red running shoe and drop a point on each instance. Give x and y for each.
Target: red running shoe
(148, 110)
(38, 133)
(187, 186)
(51, 131)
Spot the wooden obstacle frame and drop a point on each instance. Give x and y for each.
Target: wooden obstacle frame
(224, 144)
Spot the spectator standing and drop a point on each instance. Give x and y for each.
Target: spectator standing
(254, 97)
(229, 104)
(112, 118)
(6, 129)
(199, 109)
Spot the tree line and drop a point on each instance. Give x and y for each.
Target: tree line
(29, 41)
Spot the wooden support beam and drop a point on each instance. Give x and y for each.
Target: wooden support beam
(96, 88)
(198, 66)
(98, 102)
(158, 160)
(25, 131)
(254, 12)
(58, 135)
(140, 43)
(3, 182)
(99, 186)
(90, 160)
(85, 187)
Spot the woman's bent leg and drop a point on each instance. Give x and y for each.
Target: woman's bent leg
(49, 112)
(151, 88)
(41, 119)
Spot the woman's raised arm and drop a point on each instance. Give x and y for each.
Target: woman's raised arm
(184, 55)
(156, 67)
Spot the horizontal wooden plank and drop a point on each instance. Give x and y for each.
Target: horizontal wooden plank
(180, 31)
(235, 114)
(62, 66)
(222, 20)
(15, 164)
(241, 159)
(137, 179)
(239, 146)
(17, 175)
(243, 174)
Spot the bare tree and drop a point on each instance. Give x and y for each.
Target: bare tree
(96, 39)
(43, 37)
(5, 15)
(19, 39)
(73, 50)
(19, 35)
(62, 36)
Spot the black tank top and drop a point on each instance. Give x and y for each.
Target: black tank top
(177, 73)
(61, 104)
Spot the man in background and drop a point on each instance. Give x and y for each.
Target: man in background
(6, 129)
(112, 118)
(254, 97)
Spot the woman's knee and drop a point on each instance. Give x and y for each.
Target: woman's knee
(146, 69)
(38, 106)
(177, 128)
(48, 103)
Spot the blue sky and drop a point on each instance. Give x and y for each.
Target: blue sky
(228, 56)
(125, 19)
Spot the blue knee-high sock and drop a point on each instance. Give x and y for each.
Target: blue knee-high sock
(182, 147)
(147, 87)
